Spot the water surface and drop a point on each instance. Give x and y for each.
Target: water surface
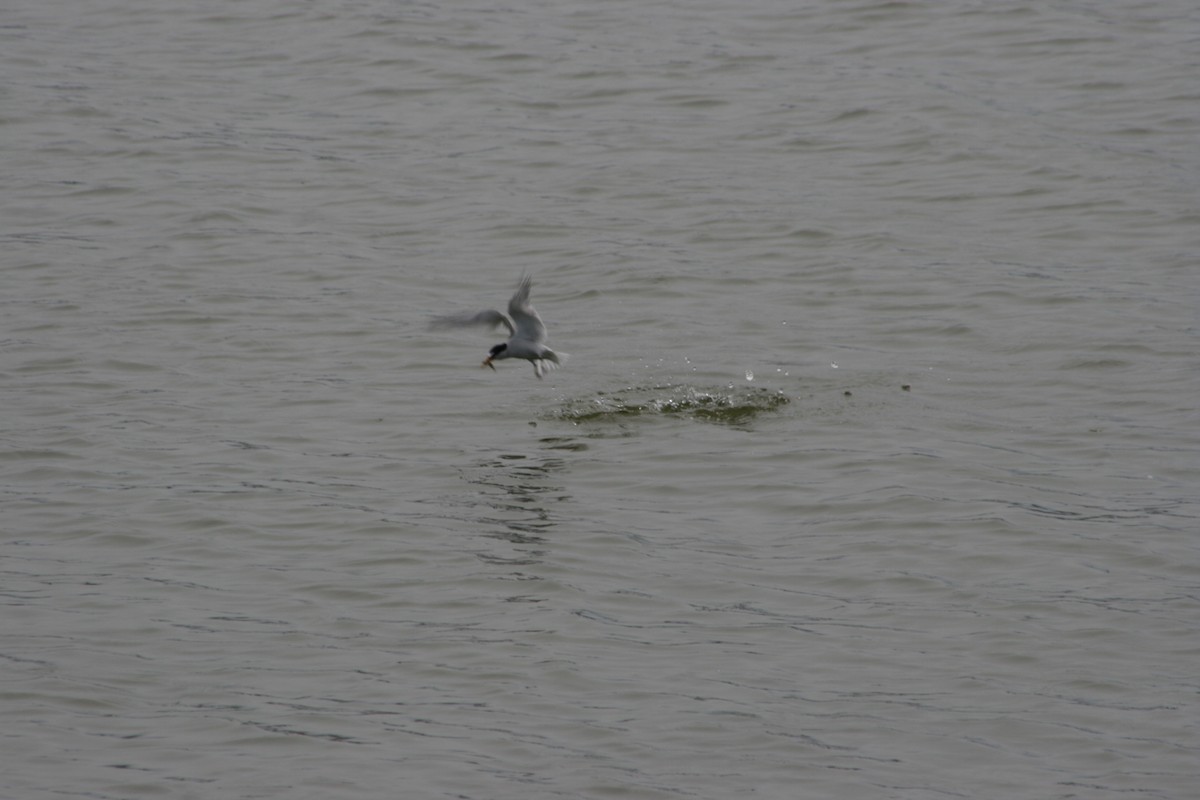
(872, 473)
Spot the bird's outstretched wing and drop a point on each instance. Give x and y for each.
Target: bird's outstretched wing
(529, 324)
(489, 319)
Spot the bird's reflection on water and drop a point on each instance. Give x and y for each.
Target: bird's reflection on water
(520, 492)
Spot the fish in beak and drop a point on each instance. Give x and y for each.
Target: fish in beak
(487, 362)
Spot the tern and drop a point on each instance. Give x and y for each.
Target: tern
(527, 331)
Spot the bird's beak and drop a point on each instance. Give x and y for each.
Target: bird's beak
(487, 362)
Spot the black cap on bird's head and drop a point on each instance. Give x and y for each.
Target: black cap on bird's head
(494, 353)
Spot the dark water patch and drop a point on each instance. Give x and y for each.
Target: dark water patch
(730, 405)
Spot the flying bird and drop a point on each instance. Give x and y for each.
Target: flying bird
(527, 331)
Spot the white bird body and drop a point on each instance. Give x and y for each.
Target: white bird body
(527, 331)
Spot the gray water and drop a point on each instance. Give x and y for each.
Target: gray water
(872, 473)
